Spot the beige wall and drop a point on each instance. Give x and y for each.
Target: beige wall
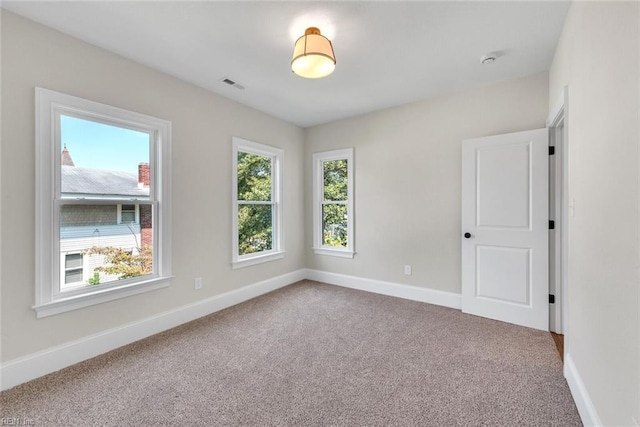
(598, 58)
(203, 124)
(408, 178)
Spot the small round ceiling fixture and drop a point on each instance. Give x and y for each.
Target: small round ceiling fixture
(313, 55)
(489, 58)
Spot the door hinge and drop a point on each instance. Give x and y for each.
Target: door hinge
(552, 225)
(552, 299)
(552, 150)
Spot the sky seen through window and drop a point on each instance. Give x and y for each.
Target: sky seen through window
(100, 146)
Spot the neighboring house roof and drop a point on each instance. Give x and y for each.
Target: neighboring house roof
(87, 181)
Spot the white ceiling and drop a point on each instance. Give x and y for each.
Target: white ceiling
(388, 53)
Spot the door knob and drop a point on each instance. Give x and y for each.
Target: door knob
(467, 235)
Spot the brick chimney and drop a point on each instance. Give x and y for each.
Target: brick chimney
(143, 175)
(146, 220)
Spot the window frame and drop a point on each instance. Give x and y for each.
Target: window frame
(318, 201)
(50, 106)
(277, 166)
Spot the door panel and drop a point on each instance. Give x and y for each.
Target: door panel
(505, 213)
(503, 190)
(498, 265)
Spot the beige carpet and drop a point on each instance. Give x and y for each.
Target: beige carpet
(314, 354)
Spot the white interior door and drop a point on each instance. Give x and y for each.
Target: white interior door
(505, 251)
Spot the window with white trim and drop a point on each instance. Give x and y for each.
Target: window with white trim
(257, 203)
(333, 203)
(102, 203)
(73, 268)
(128, 214)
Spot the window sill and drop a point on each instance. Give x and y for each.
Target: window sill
(75, 302)
(258, 259)
(342, 253)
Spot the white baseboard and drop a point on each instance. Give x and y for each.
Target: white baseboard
(579, 392)
(446, 299)
(55, 358)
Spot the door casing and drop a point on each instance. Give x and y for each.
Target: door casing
(561, 208)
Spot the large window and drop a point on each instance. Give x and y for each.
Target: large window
(257, 205)
(102, 200)
(333, 203)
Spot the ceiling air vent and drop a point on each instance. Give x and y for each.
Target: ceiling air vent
(228, 81)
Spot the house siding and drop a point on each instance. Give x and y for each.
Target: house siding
(74, 215)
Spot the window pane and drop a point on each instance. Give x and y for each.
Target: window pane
(335, 180)
(112, 251)
(99, 160)
(254, 228)
(334, 225)
(73, 261)
(73, 276)
(128, 216)
(128, 213)
(254, 177)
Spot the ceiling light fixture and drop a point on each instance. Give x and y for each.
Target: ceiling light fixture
(313, 55)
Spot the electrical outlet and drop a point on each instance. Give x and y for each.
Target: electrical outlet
(198, 283)
(407, 270)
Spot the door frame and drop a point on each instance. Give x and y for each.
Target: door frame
(561, 208)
